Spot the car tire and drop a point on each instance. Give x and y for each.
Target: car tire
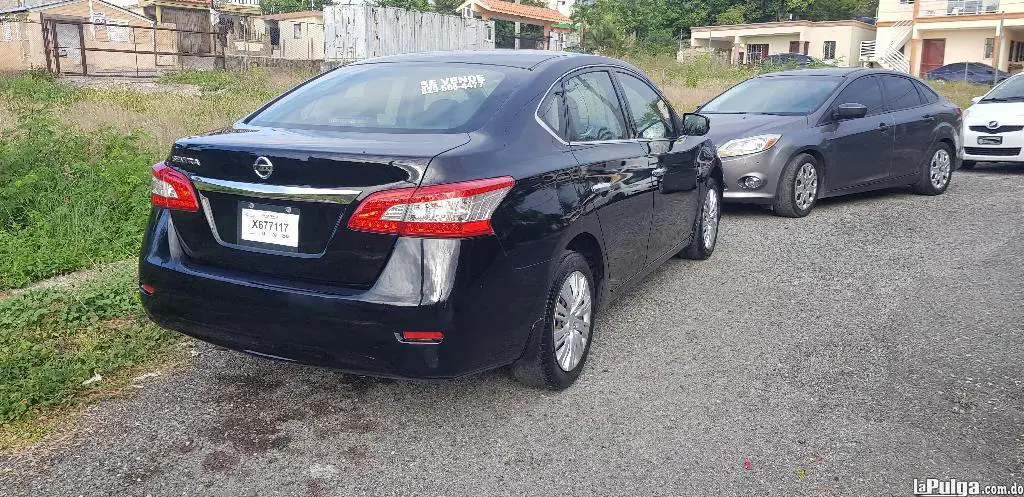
(937, 171)
(799, 187)
(705, 226)
(543, 365)
(968, 164)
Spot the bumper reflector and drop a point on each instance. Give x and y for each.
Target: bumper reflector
(147, 289)
(423, 336)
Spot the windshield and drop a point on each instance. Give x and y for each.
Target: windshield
(784, 95)
(1011, 89)
(393, 98)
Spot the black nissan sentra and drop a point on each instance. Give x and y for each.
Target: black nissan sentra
(430, 215)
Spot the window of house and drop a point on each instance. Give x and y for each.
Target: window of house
(297, 30)
(907, 2)
(829, 50)
(864, 91)
(651, 116)
(756, 51)
(593, 108)
(9, 31)
(490, 32)
(989, 43)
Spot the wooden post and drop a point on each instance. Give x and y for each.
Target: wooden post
(56, 46)
(81, 46)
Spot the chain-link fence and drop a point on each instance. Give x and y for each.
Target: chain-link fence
(142, 47)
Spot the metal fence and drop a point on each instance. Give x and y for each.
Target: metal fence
(137, 48)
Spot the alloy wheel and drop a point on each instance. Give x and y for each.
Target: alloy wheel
(940, 168)
(571, 327)
(805, 187)
(709, 223)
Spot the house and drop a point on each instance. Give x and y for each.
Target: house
(296, 35)
(835, 42)
(553, 27)
(70, 46)
(917, 37)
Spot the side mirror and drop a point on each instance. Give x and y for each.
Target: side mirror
(975, 100)
(850, 111)
(694, 125)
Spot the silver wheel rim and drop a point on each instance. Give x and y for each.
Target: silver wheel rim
(571, 326)
(805, 187)
(709, 223)
(939, 170)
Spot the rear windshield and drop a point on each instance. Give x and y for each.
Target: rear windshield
(394, 98)
(784, 95)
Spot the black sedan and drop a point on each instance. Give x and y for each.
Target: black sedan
(788, 139)
(430, 215)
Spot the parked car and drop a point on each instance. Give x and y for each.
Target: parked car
(993, 126)
(430, 215)
(788, 139)
(969, 72)
(789, 59)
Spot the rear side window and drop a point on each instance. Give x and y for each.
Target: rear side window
(396, 98)
(864, 91)
(650, 113)
(927, 93)
(593, 108)
(552, 112)
(900, 93)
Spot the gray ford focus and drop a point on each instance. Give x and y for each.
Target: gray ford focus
(788, 139)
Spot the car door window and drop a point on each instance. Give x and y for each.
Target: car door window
(864, 91)
(927, 94)
(900, 93)
(593, 108)
(651, 115)
(552, 112)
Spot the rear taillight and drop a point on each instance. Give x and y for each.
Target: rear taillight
(959, 112)
(172, 189)
(454, 210)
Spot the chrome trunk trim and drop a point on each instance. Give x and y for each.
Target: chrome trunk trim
(276, 192)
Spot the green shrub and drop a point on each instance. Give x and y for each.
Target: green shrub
(68, 199)
(54, 339)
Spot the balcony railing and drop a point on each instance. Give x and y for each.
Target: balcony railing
(938, 8)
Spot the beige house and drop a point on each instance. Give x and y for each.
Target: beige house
(917, 37)
(836, 42)
(296, 35)
(111, 36)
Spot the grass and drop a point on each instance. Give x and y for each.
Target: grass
(54, 339)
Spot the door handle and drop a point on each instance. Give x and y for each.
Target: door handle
(928, 117)
(883, 127)
(659, 172)
(600, 188)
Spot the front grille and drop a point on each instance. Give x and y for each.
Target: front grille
(994, 152)
(1001, 129)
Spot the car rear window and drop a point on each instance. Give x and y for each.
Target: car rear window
(395, 98)
(785, 95)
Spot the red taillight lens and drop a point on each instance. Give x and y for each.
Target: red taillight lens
(423, 336)
(959, 112)
(454, 210)
(172, 189)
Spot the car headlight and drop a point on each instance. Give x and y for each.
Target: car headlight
(748, 145)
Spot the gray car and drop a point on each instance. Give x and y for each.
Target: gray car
(788, 139)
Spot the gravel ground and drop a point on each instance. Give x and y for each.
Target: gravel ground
(877, 341)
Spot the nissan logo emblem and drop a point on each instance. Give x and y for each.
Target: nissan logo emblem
(263, 167)
(993, 124)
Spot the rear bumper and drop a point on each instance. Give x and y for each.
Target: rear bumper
(464, 288)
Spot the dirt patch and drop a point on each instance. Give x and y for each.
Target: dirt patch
(219, 460)
(133, 84)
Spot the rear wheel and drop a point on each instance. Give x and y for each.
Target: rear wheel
(798, 187)
(705, 227)
(968, 164)
(556, 355)
(935, 175)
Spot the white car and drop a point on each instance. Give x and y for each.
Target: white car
(993, 127)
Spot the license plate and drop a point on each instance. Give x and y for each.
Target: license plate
(269, 226)
(990, 140)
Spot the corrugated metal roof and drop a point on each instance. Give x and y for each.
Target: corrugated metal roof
(284, 16)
